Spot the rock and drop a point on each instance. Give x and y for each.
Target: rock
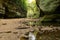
(50, 19)
(50, 11)
(49, 6)
(48, 35)
(2, 10)
(23, 38)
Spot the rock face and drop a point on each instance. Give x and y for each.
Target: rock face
(15, 29)
(50, 10)
(13, 11)
(2, 10)
(12, 29)
(10, 10)
(49, 5)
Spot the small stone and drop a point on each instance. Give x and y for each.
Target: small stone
(4, 24)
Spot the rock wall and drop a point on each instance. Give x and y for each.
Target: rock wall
(50, 11)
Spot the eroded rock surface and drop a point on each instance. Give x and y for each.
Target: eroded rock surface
(13, 29)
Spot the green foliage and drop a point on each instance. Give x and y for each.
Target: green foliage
(32, 9)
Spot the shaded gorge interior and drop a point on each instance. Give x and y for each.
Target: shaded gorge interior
(47, 11)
